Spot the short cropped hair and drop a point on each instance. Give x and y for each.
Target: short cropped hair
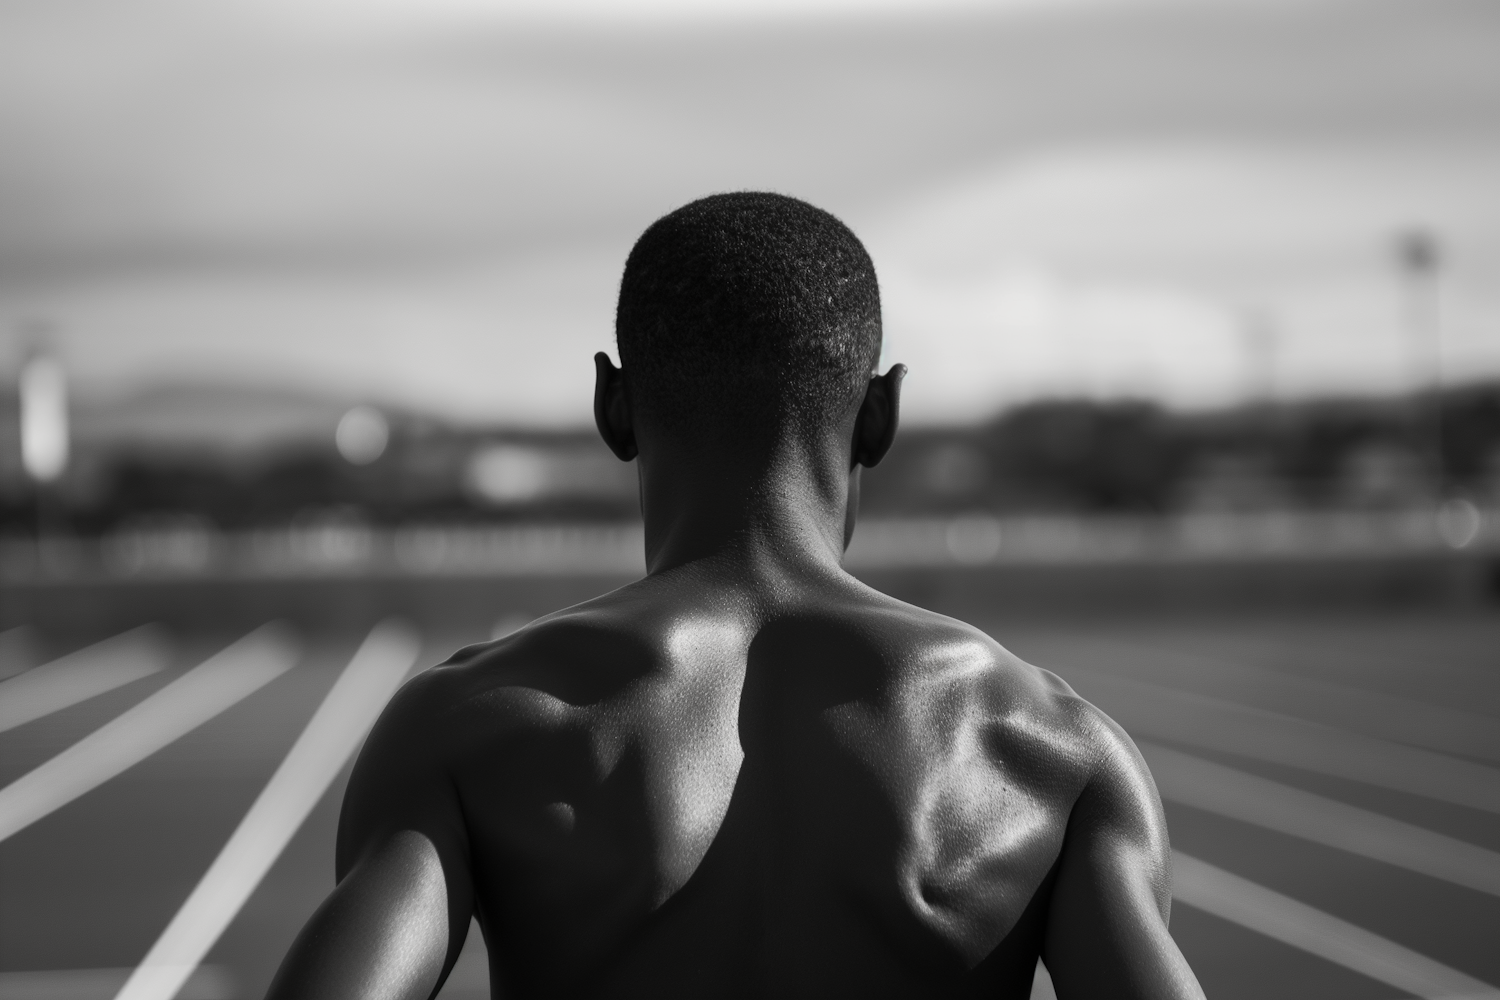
(748, 305)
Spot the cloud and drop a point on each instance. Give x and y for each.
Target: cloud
(505, 339)
(431, 204)
(1168, 269)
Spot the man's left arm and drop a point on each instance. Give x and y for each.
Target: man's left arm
(1107, 924)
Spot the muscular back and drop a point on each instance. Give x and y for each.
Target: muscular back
(676, 791)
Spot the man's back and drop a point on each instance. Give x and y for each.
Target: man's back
(687, 788)
(747, 774)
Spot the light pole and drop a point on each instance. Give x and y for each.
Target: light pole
(1458, 520)
(1417, 250)
(1258, 336)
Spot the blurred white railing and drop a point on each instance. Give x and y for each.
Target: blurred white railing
(977, 540)
(345, 548)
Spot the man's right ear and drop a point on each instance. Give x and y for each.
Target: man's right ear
(612, 409)
(879, 414)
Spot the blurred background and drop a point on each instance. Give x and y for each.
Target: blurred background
(1201, 304)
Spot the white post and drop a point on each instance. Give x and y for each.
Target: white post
(44, 418)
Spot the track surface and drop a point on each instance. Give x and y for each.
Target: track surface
(1275, 739)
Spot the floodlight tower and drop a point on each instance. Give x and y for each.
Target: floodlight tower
(1259, 338)
(1418, 252)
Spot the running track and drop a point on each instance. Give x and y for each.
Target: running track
(1332, 785)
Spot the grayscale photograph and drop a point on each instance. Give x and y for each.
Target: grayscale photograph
(749, 498)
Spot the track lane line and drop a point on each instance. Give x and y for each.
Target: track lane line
(182, 706)
(1248, 798)
(83, 674)
(1374, 713)
(314, 761)
(208, 983)
(1282, 918)
(1154, 710)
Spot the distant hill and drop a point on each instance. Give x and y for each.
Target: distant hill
(215, 417)
(241, 457)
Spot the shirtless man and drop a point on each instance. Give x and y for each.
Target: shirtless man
(748, 774)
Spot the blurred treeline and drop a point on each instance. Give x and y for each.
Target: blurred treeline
(1135, 456)
(1069, 456)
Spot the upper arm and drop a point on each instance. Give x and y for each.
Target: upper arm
(1107, 925)
(398, 916)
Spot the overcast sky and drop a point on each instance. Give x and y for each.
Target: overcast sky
(429, 203)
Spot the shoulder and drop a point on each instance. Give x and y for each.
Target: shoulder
(529, 675)
(937, 656)
(989, 709)
(576, 656)
(487, 697)
(630, 622)
(957, 676)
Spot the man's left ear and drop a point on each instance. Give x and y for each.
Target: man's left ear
(875, 426)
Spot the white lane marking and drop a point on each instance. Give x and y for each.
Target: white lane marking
(1238, 900)
(209, 982)
(1384, 716)
(471, 971)
(1146, 709)
(1251, 799)
(82, 674)
(331, 737)
(1041, 983)
(183, 705)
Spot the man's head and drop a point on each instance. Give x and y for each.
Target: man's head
(748, 310)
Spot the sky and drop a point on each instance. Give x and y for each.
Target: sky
(427, 204)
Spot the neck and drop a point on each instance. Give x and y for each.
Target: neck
(768, 514)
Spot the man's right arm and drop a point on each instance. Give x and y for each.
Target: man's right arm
(398, 916)
(1107, 927)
